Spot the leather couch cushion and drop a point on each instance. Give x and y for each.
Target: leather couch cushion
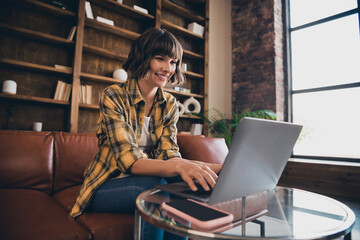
(26, 160)
(106, 226)
(31, 214)
(73, 153)
(210, 150)
(102, 226)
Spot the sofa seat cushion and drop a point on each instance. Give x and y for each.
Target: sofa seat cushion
(210, 150)
(102, 226)
(31, 214)
(67, 197)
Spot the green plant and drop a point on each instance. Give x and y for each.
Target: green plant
(221, 126)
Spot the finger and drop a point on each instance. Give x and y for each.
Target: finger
(211, 172)
(207, 174)
(201, 178)
(190, 182)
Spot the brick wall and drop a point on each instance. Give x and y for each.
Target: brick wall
(258, 77)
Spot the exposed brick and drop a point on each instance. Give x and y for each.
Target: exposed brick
(257, 56)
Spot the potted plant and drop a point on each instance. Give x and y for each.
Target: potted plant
(221, 126)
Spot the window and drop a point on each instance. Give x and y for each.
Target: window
(325, 78)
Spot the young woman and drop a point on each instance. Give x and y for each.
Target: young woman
(137, 133)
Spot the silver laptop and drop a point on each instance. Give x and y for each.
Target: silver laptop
(257, 157)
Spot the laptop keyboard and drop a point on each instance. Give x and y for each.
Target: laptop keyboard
(199, 193)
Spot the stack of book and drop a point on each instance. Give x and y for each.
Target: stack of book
(63, 90)
(85, 94)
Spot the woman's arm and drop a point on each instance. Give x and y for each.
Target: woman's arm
(189, 170)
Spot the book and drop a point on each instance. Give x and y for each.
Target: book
(57, 90)
(71, 33)
(67, 91)
(140, 9)
(105, 20)
(58, 66)
(61, 91)
(88, 10)
(83, 94)
(88, 95)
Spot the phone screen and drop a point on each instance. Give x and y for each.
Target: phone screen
(196, 210)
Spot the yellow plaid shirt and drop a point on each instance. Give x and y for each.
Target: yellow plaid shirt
(122, 111)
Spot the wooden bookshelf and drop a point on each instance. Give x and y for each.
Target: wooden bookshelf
(35, 38)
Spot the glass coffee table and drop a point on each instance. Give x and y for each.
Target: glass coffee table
(291, 214)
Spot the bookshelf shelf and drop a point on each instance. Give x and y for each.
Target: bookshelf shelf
(46, 8)
(180, 30)
(183, 93)
(32, 99)
(104, 52)
(182, 11)
(33, 66)
(23, 32)
(98, 78)
(121, 32)
(124, 9)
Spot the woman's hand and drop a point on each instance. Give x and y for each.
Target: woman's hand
(189, 170)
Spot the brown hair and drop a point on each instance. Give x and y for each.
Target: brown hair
(154, 41)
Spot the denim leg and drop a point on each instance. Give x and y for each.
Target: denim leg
(119, 196)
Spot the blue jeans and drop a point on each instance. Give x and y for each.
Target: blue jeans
(119, 195)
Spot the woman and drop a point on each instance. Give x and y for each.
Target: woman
(137, 132)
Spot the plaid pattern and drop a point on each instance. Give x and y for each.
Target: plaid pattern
(122, 111)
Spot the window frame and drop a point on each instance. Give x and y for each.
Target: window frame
(292, 92)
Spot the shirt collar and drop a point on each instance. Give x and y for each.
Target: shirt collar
(132, 87)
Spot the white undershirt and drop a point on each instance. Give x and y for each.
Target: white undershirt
(145, 142)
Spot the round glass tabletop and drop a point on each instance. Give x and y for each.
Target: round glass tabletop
(290, 214)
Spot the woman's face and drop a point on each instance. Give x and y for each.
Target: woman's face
(162, 68)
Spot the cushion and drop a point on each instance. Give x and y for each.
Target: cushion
(31, 214)
(73, 153)
(210, 150)
(26, 160)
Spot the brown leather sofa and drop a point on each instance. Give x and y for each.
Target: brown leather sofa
(40, 177)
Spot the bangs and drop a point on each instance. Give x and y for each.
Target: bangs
(167, 45)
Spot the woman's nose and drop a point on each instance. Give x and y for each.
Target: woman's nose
(166, 67)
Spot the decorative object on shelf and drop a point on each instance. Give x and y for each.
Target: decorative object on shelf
(9, 86)
(196, 28)
(184, 67)
(181, 108)
(88, 10)
(120, 1)
(71, 33)
(196, 129)
(37, 126)
(140, 9)
(194, 103)
(219, 125)
(120, 74)
(105, 20)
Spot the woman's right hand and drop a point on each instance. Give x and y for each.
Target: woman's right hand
(189, 170)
